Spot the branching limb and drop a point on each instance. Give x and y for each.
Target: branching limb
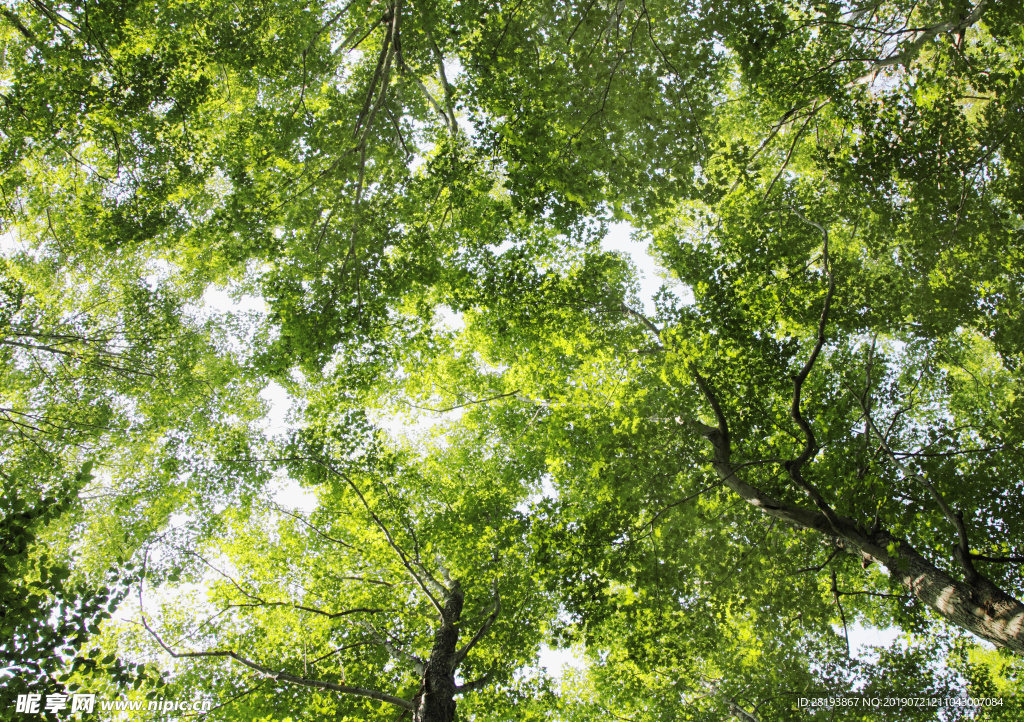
(644, 320)
(281, 675)
(267, 671)
(810, 445)
(819, 567)
(19, 26)
(399, 655)
(235, 697)
(445, 86)
(474, 685)
(327, 26)
(734, 707)
(678, 502)
(312, 610)
(305, 522)
(381, 75)
(422, 578)
(462, 406)
(433, 103)
(875, 594)
(721, 444)
(911, 51)
(493, 612)
(795, 466)
(998, 560)
(842, 614)
(796, 139)
(962, 552)
(258, 601)
(645, 13)
(865, 402)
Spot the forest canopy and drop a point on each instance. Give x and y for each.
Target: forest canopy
(816, 430)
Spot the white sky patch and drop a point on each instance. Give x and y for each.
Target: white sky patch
(219, 299)
(862, 637)
(556, 660)
(547, 491)
(652, 274)
(10, 243)
(158, 271)
(279, 403)
(415, 426)
(449, 319)
(292, 496)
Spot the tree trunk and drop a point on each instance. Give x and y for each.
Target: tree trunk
(436, 699)
(974, 604)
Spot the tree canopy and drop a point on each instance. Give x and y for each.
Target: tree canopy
(817, 426)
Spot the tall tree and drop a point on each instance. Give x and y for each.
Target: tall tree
(408, 587)
(825, 418)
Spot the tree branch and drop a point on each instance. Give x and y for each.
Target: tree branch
(270, 673)
(445, 87)
(399, 655)
(962, 551)
(722, 445)
(303, 520)
(794, 467)
(910, 52)
(821, 566)
(998, 560)
(462, 406)
(842, 614)
(495, 609)
(421, 581)
(644, 320)
(16, 22)
(474, 685)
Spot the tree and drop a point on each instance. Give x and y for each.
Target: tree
(391, 592)
(834, 188)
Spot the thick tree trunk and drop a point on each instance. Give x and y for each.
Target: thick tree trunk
(974, 604)
(436, 700)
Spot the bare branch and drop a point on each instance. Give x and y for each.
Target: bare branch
(260, 602)
(380, 76)
(445, 86)
(792, 147)
(875, 594)
(433, 102)
(326, 26)
(794, 467)
(462, 406)
(821, 566)
(644, 320)
(911, 51)
(16, 22)
(722, 443)
(281, 675)
(312, 610)
(304, 521)
(998, 560)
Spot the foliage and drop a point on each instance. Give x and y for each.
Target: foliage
(817, 427)
(46, 617)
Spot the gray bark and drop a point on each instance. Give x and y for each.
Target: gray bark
(436, 699)
(974, 604)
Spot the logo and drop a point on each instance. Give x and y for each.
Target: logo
(57, 703)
